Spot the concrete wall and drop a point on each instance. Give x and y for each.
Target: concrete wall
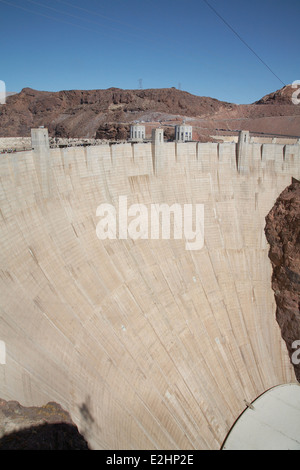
(259, 140)
(146, 344)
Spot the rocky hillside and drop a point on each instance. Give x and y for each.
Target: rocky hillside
(283, 234)
(280, 97)
(83, 113)
(107, 114)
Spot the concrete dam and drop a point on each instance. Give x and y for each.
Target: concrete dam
(148, 345)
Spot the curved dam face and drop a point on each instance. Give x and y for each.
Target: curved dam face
(148, 345)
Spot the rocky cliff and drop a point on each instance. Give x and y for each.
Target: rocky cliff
(283, 234)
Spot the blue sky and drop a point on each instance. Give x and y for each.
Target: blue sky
(75, 44)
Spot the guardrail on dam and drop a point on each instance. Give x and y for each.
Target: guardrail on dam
(145, 344)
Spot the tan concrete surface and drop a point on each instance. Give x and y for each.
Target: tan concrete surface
(146, 344)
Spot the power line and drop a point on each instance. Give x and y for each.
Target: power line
(142, 38)
(60, 20)
(128, 25)
(93, 12)
(81, 18)
(46, 16)
(150, 42)
(242, 40)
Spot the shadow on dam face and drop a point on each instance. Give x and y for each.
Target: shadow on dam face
(57, 436)
(146, 344)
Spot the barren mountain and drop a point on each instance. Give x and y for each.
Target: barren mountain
(109, 113)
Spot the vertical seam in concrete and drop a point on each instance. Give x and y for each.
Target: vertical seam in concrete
(153, 157)
(111, 154)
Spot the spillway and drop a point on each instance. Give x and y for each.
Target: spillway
(146, 344)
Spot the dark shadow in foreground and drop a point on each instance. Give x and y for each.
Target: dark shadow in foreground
(58, 436)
